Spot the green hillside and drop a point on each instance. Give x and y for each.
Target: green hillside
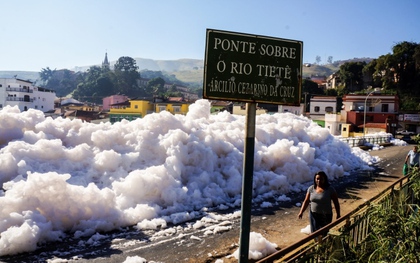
(196, 76)
(25, 75)
(189, 71)
(319, 70)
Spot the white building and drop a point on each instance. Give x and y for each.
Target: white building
(321, 105)
(297, 110)
(241, 110)
(22, 93)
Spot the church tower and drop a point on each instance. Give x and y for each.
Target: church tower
(105, 63)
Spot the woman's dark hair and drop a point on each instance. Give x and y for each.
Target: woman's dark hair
(324, 176)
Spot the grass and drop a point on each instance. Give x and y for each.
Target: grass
(394, 231)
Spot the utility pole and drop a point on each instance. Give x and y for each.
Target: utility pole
(304, 110)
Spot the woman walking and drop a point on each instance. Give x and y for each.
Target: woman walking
(319, 197)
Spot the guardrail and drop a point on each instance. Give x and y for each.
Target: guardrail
(372, 139)
(348, 231)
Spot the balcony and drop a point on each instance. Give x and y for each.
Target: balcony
(26, 90)
(19, 99)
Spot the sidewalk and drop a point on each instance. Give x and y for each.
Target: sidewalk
(285, 228)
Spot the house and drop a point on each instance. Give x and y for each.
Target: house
(138, 108)
(333, 81)
(320, 80)
(187, 95)
(88, 116)
(219, 106)
(114, 99)
(25, 95)
(409, 120)
(297, 110)
(269, 107)
(240, 109)
(322, 105)
(371, 113)
(130, 110)
(73, 109)
(174, 107)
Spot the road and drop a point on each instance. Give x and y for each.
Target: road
(277, 224)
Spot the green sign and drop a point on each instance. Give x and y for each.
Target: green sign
(251, 68)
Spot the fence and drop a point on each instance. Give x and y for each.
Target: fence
(372, 139)
(346, 232)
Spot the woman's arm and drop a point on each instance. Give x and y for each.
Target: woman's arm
(304, 205)
(334, 198)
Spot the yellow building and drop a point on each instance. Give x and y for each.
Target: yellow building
(172, 107)
(130, 110)
(134, 109)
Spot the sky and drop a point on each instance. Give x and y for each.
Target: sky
(66, 34)
(64, 177)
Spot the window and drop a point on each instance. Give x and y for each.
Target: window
(329, 109)
(316, 109)
(136, 106)
(162, 108)
(177, 109)
(384, 107)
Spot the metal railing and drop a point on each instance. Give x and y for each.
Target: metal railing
(372, 139)
(19, 99)
(348, 231)
(27, 90)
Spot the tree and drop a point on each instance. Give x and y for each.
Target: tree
(46, 74)
(156, 87)
(67, 84)
(369, 71)
(127, 77)
(416, 57)
(173, 92)
(331, 92)
(330, 60)
(384, 71)
(351, 73)
(89, 86)
(405, 67)
(126, 64)
(97, 83)
(309, 88)
(318, 60)
(63, 81)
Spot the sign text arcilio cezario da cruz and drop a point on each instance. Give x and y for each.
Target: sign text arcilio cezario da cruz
(252, 68)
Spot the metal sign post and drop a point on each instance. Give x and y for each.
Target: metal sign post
(251, 69)
(248, 170)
